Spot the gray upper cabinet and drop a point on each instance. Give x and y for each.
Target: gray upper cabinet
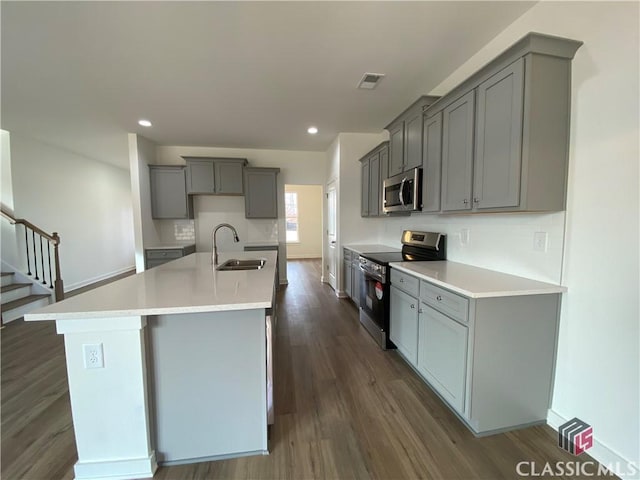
(498, 159)
(374, 185)
(364, 190)
(215, 176)
(374, 170)
(169, 192)
(261, 197)
(457, 153)
(200, 176)
(396, 149)
(229, 177)
(505, 131)
(432, 162)
(405, 137)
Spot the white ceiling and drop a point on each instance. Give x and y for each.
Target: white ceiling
(79, 75)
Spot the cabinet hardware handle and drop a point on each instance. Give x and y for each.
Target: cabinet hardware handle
(475, 200)
(465, 201)
(439, 298)
(413, 306)
(402, 280)
(420, 310)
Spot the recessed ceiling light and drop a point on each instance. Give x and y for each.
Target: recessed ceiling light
(144, 123)
(312, 130)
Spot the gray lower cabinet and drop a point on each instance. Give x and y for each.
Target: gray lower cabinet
(442, 354)
(457, 153)
(215, 176)
(348, 278)
(154, 257)
(490, 359)
(432, 162)
(356, 279)
(403, 328)
(168, 192)
(374, 167)
(261, 195)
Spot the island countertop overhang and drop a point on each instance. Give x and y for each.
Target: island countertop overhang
(186, 285)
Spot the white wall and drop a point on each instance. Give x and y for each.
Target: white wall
(9, 233)
(310, 236)
(142, 153)
(86, 201)
(597, 373)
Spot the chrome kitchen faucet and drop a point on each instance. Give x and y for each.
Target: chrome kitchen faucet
(214, 256)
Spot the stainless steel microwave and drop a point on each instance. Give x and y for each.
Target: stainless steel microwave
(403, 193)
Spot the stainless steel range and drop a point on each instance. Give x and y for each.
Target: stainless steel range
(375, 285)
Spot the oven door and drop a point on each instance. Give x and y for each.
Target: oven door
(374, 298)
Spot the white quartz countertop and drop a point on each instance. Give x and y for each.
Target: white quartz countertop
(165, 246)
(475, 282)
(370, 248)
(186, 285)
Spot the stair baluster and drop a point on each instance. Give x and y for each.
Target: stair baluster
(26, 246)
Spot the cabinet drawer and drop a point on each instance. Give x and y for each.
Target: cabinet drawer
(164, 254)
(347, 254)
(449, 303)
(405, 282)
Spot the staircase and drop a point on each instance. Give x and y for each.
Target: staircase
(18, 299)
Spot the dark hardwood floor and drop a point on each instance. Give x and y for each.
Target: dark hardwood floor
(344, 408)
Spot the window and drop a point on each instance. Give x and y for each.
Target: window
(291, 213)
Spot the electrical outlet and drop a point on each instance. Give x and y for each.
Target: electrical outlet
(464, 236)
(93, 355)
(540, 241)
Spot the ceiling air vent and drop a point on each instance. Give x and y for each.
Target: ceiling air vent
(370, 80)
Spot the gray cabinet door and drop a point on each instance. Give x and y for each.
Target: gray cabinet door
(432, 161)
(374, 185)
(404, 324)
(168, 192)
(413, 141)
(384, 174)
(396, 149)
(229, 177)
(457, 153)
(364, 190)
(348, 278)
(356, 280)
(200, 176)
(261, 195)
(442, 355)
(498, 154)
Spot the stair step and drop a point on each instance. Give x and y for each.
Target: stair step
(17, 308)
(14, 291)
(6, 278)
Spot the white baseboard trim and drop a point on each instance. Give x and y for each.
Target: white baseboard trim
(99, 278)
(117, 469)
(600, 452)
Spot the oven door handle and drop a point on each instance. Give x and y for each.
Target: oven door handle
(401, 193)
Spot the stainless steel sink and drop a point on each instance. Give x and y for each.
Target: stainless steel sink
(235, 264)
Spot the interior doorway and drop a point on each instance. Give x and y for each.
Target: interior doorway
(303, 221)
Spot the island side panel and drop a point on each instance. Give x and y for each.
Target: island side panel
(109, 404)
(208, 380)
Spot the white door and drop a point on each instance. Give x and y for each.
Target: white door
(332, 256)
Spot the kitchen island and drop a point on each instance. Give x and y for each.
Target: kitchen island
(168, 365)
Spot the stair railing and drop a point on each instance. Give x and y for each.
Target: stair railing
(38, 261)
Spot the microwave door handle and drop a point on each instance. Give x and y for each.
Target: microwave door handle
(401, 193)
